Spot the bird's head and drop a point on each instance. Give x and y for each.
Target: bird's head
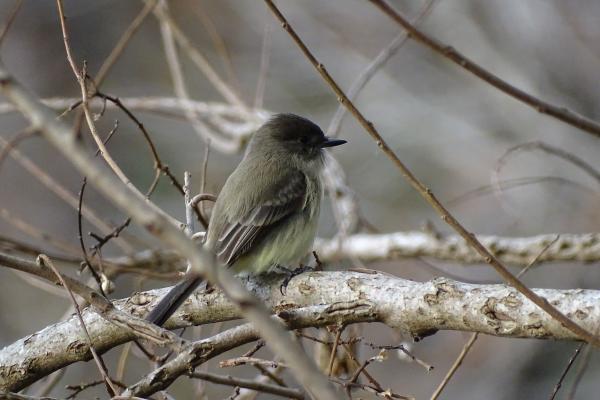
(293, 136)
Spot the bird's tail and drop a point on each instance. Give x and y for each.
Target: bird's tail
(172, 300)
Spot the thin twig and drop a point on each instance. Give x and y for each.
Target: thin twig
(428, 194)
(509, 184)
(336, 343)
(265, 57)
(367, 375)
(122, 363)
(34, 232)
(561, 113)
(102, 240)
(379, 61)
(189, 220)
(270, 373)
(158, 163)
(50, 382)
(76, 389)
(109, 136)
(581, 369)
(62, 193)
(203, 197)
(403, 349)
(82, 80)
(249, 384)
(15, 141)
(555, 151)
(566, 370)
(125, 38)
(199, 60)
(88, 263)
(44, 260)
(203, 182)
(259, 345)
(457, 363)
(219, 44)
(116, 52)
(9, 21)
(176, 71)
(237, 361)
(19, 396)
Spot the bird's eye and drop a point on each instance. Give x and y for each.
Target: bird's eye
(303, 140)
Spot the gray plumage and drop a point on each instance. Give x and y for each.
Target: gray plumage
(267, 212)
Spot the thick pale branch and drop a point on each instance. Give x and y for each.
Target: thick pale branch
(315, 299)
(511, 250)
(519, 251)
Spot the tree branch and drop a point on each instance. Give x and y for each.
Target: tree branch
(369, 247)
(561, 113)
(314, 299)
(520, 251)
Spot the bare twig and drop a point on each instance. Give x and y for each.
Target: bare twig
(190, 229)
(566, 370)
(336, 343)
(365, 76)
(13, 142)
(449, 52)
(199, 60)
(51, 381)
(178, 79)
(102, 240)
(265, 56)
(455, 366)
(582, 368)
(62, 193)
(158, 163)
(249, 384)
(109, 136)
(203, 182)
(36, 233)
(363, 370)
(19, 396)
(546, 148)
(219, 44)
(76, 389)
(9, 21)
(508, 184)
(82, 80)
(44, 260)
(237, 361)
(82, 244)
(403, 349)
(123, 41)
(427, 193)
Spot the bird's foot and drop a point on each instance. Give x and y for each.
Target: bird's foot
(291, 274)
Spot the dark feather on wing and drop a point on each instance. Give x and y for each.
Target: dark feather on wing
(239, 236)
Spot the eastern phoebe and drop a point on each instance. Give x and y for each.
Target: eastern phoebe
(266, 214)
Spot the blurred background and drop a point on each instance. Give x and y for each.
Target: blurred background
(449, 127)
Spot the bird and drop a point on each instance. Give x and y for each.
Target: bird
(267, 213)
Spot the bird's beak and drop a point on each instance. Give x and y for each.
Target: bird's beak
(332, 142)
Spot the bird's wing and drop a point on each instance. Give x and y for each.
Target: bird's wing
(239, 235)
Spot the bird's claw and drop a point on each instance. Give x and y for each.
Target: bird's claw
(291, 274)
